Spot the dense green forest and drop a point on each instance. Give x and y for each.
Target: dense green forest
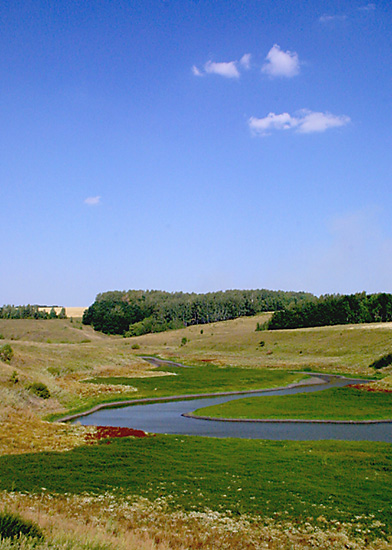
(335, 310)
(29, 312)
(138, 312)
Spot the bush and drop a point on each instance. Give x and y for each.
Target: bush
(40, 390)
(384, 361)
(12, 526)
(184, 340)
(62, 314)
(135, 346)
(6, 353)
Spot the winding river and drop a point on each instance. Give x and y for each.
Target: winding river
(168, 417)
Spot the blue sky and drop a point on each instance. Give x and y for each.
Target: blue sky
(194, 145)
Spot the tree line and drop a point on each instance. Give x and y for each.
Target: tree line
(136, 312)
(30, 312)
(334, 310)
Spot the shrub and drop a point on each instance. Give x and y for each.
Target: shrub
(62, 314)
(6, 353)
(40, 390)
(184, 340)
(135, 346)
(52, 314)
(12, 526)
(384, 361)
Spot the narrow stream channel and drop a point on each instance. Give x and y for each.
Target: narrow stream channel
(168, 418)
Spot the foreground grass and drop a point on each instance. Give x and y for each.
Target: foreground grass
(333, 404)
(109, 522)
(342, 483)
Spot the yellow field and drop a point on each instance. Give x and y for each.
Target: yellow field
(69, 311)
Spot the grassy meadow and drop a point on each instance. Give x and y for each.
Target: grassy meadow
(332, 404)
(169, 492)
(203, 379)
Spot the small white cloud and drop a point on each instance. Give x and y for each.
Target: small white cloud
(226, 69)
(330, 18)
(245, 60)
(312, 122)
(92, 201)
(196, 71)
(368, 7)
(306, 122)
(262, 126)
(280, 63)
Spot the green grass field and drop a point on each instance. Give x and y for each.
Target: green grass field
(344, 482)
(203, 379)
(333, 404)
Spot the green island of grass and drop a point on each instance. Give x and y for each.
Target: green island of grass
(203, 379)
(334, 404)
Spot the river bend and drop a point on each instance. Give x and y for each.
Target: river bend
(168, 417)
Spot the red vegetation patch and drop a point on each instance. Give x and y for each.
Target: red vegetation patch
(365, 387)
(106, 432)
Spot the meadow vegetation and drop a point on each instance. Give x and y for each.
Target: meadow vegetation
(333, 404)
(208, 378)
(169, 492)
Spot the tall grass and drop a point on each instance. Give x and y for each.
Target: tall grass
(107, 522)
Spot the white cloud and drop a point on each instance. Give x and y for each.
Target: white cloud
(226, 69)
(92, 201)
(330, 18)
(319, 122)
(196, 71)
(245, 60)
(368, 7)
(261, 126)
(280, 63)
(305, 122)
